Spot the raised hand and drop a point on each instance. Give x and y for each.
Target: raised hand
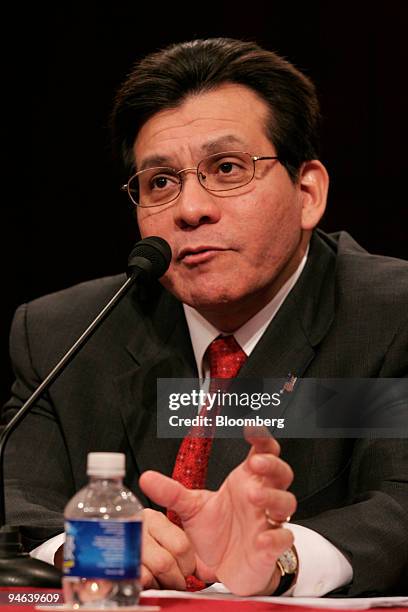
(228, 528)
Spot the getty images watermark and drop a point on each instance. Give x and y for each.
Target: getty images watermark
(289, 407)
(210, 403)
(220, 408)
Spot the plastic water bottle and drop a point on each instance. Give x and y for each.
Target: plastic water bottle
(103, 530)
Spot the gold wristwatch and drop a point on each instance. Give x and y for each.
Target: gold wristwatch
(288, 565)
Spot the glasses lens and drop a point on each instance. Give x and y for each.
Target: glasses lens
(225, 171)
(154, 187)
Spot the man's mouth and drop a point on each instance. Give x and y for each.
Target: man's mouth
(200, 254)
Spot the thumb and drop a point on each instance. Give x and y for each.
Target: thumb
(204, 572)
(171, 494)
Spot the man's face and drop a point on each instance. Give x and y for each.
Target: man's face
(231, 250)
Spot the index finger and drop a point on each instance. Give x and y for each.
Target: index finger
(261, 440)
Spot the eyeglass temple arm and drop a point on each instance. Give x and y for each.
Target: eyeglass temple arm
(261, 157)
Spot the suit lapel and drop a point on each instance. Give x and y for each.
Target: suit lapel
(159, 348)
(286, 349)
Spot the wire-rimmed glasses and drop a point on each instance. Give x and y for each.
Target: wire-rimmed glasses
(219, 172)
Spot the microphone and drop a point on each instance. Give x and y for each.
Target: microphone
(149, 259)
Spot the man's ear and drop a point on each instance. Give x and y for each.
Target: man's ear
(314, 184)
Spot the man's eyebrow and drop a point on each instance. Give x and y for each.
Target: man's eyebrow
(154, 160)
(222, 144)
(214, 146)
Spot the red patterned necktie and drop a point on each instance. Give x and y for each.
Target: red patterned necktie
(225, 358)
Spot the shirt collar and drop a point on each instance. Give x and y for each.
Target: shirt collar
(202, 333)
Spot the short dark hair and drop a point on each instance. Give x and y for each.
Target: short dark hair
(164, 79)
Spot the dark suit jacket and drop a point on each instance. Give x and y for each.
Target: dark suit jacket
(346, 317)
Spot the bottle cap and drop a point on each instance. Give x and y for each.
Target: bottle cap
(109, 465)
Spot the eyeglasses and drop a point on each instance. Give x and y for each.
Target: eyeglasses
(219, 172)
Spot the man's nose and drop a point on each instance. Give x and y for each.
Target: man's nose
(195, 205)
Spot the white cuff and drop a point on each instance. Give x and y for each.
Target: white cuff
(46, 551)
(322, 567)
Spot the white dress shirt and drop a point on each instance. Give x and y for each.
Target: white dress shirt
(322, 567)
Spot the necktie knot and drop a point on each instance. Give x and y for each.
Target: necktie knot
(225, 357)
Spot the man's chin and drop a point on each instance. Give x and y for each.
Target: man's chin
(203, 292)
(207, 299)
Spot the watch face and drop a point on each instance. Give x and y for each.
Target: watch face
(289, 561)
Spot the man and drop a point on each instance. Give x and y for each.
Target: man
(219, 137)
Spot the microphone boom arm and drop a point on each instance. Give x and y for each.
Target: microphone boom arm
(59, 367)
(149, 258)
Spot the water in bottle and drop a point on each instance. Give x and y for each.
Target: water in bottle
(103, 531)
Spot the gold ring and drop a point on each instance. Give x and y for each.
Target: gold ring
(275, 524)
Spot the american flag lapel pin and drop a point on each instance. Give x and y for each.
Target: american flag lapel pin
(289, 384)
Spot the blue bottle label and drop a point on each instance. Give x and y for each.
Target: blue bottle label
(102, 549)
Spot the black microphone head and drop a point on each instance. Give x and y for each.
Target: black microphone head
(151, 255)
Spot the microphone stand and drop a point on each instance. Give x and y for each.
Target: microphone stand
(150, 257)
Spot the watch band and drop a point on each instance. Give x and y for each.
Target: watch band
(284, 584)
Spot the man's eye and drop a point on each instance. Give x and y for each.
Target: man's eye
(229, 166)
(226, 167)
(161, 182)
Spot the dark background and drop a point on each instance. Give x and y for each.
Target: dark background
(63, 217)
